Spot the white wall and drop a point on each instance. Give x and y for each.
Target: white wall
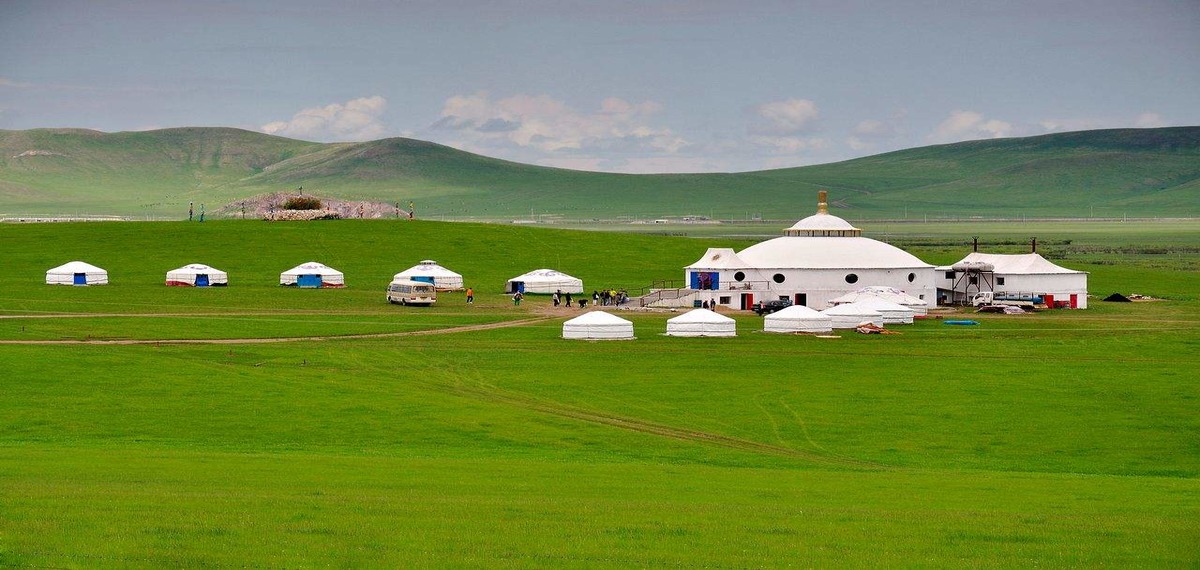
(819, 285)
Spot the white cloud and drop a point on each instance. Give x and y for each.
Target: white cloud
(969, 125)
(356, 120)
(791, 145)
(869, 134)
(1146, 120)
(1149, 121)
(789, 117)
(6, 82)
(542, 123)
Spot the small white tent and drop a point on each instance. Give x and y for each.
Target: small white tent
(598, 325)
(797, 318)
(197, 275)
(76, 273)
(893, 313)
(701, 322)
(312, 274)
(850, 315)
(430, 272)
(544, 281)
(890, 294)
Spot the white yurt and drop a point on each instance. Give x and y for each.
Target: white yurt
(312, 275)
(851, 315)
(891, 294)
(430, 272)
(197, 275)
(598, 325)
(701, 322)
(544, 281)
(76, 273)
(797, 318)
(893, 313)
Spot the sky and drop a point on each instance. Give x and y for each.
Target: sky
(611, 85)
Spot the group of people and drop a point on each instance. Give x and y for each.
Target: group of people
(603, 298)
(610, 297)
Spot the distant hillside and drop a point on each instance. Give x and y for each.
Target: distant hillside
(1122, 172)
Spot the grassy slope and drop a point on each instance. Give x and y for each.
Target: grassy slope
(1064, 439)
(1146, 172)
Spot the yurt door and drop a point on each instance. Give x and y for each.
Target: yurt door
(517, 287)
(202, 280)
(423, 279)
(801, 299)
(747, 301)
(80, 279)
(309, 281)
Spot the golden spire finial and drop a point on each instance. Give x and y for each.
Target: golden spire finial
(822, 205)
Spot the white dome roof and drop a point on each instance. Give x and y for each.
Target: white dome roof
(822, 222)
(700, 316)
(805, 252)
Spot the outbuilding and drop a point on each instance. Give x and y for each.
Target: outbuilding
(312, 275)
(701, 322)
(598, 325)
(76, 273)
(890, 294)
(429, 271)
(197, 275)
(851, 315)
(797, 318)
(893, 313)
(1013, 275)
(544, 281)
(816, 260)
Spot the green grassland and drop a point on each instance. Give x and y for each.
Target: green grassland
(1065, 438)
(1106, 173)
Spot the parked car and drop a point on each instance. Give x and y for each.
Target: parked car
(771, 306)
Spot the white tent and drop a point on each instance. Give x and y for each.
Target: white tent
(312, 274)
(598, 325)
(890, 294)
(197, 275)
(544, 281)
(797, 318)
(430, 272)
(701, 322)
(851, 315)
(76, 273)
(893, 313)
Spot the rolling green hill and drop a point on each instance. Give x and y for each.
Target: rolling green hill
(1104, 173)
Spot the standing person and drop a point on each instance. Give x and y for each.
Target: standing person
(556, 298)
(470, 295)
(568, 300)
(517, 299)
(595, 298)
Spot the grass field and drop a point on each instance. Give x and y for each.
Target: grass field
(1065, 438)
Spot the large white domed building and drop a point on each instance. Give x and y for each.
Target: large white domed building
(817, 259)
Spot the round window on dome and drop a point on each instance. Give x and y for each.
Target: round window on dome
(740, 276)
(778, 278)
(912, 277)
(851, 278)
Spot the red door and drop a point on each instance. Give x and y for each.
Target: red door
(1074, 301)
(747, 301)
(1049, 300)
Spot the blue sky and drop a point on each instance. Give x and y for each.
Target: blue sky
(622, 86)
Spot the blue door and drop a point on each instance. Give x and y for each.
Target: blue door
(80, 279)
(309, 281)
(202, 280)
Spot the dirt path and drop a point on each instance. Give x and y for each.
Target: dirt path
(450, 330)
